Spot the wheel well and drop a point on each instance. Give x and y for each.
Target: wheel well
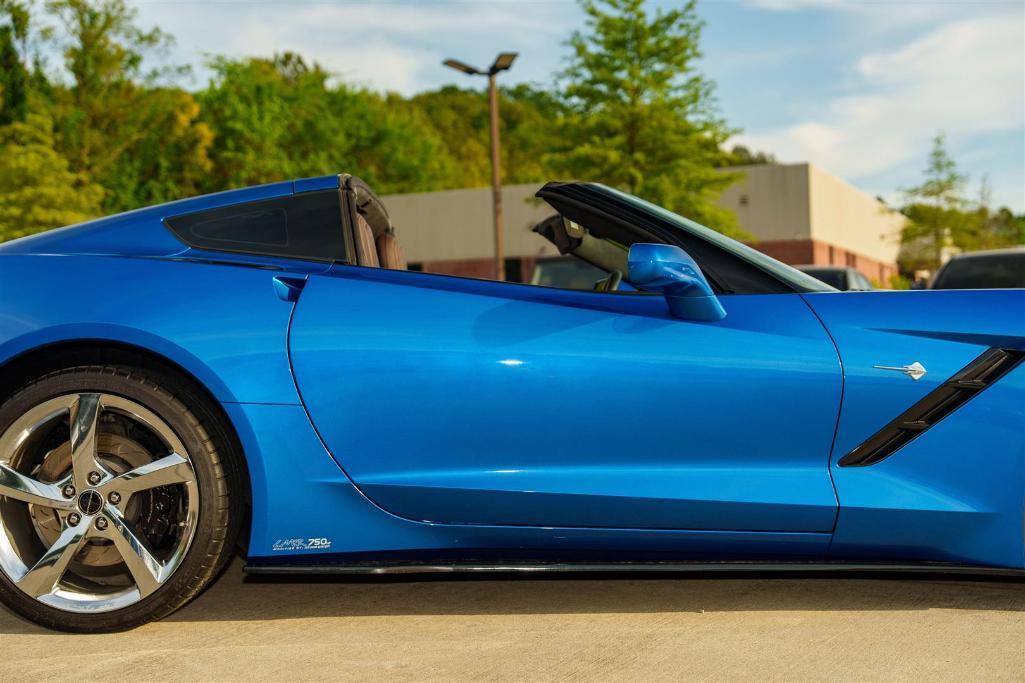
(35, 363)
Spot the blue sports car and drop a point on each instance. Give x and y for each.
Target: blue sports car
(258, 369)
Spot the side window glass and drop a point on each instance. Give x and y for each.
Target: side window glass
(305, 226)
(263, 227)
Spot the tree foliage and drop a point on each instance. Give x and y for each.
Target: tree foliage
(641, 116)
(141, 141)
(14, 77)
(940, 217)
(13, 80)
(528, 119)
(279, 118)
(37, 189)
(739, 155)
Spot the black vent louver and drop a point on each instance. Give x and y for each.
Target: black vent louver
(934, 406)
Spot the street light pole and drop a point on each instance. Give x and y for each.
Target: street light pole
(502, 63)
(496, 179)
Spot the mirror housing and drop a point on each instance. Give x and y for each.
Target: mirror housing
(668, 269)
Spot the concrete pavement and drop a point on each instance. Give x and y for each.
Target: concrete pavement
(758, 628)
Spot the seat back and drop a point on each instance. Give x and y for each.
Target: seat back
(389, 251)
(366, 251)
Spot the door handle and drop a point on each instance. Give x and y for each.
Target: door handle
(288, 288)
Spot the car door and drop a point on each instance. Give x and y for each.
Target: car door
(463, 401)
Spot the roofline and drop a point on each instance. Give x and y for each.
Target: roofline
(822, 267)
(121, 234)
(989, 252)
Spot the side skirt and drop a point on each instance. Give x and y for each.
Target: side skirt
(627, 567)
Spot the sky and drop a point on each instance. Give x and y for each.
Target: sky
(857, 87)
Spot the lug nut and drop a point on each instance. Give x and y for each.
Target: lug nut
(101, 523)
(94, 478)
(74, 518)
(114, 498)
(68, 491)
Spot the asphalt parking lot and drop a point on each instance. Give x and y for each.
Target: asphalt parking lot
(736, 628)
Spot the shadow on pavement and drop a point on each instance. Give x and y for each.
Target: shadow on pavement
(234, 598)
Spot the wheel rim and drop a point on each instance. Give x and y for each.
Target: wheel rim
(98, 502)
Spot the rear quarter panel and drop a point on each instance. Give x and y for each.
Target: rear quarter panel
(224, 324)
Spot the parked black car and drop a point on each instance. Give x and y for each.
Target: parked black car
(841, 277)
(995, 269)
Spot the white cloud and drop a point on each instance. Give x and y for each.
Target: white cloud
(384, 45)
(792, 5)
(966, 77)
(368, 58)
(416, 18)
(888, 15)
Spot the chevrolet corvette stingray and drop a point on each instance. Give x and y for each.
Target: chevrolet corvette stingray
(258, 369)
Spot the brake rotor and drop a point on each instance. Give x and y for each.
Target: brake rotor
(118, 454)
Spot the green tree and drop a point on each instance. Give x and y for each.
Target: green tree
(390, 144)
(13, 75)
(1006, 227)
(13, 79)
(989, 228)
(270, 119)
(278, 118)
(641, 117)
(167, 157)
(529, 120)
(460, 117)
(113, 123)
(37, 190)
(935, 210)
(740, 155)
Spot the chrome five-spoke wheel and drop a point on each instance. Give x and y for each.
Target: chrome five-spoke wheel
(122, 493)
(98, 502)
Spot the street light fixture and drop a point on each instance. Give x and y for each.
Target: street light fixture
(502, 63)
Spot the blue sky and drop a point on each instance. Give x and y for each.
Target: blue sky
(858, 87)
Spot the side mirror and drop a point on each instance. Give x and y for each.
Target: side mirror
(668, 269)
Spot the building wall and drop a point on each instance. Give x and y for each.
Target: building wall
(771, 201)
(799, 214)
(455, 225)
(856, 221)
(797, 252)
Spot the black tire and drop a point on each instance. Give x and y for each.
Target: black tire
(215, 460)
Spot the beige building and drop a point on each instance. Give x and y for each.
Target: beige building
(797, 213)
(800, 214)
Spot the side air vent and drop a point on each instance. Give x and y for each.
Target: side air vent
(934, 406)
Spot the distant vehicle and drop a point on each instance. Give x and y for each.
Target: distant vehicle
(841, 277)
(994, 269)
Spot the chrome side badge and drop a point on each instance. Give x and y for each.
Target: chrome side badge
(915, 371)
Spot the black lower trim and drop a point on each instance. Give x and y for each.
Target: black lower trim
(386, 568)
(934, 406)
